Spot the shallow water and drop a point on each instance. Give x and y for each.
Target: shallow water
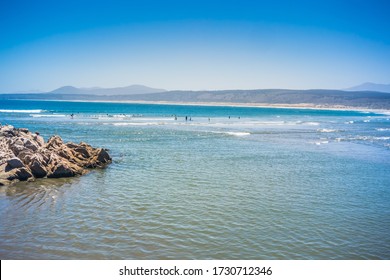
(262, 184)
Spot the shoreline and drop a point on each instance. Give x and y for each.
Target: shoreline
(301, 106)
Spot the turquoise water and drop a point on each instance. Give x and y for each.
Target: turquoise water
(231, 183)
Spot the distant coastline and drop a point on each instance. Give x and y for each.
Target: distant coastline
(276, 98)
(250, 105)
(301, 106)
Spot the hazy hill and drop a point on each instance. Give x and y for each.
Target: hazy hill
(129, 90)
(371, 87)
(368, 99)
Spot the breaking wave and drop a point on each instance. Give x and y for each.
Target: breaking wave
(22, 111)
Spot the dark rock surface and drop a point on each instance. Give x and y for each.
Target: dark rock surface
(25, 156)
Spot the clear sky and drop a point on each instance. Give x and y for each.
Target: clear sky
(193, 44)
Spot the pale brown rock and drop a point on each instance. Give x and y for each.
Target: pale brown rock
(39, 140)
(25, 156)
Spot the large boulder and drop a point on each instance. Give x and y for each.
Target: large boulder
(14, 163)
(39, 140)
(54, 142)
(61, 170)
(21, 174)
(103, 157)
(16, 148)
(84, 150)
(31, 145)
(37, 167)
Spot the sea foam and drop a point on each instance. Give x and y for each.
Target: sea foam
(21, 111)
(327, 130)
(47, 116)
(237, 133)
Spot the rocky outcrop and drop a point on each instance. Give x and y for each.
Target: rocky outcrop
(25, 156)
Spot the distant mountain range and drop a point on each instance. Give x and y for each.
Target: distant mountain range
(361, 97)
(371, 87)
(129, 90)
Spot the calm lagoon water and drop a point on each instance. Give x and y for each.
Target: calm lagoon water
(231, 183)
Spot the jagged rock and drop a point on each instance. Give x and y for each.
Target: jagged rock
(54, 142)
(16, 149)
(103, 156)
(18, 142)
(3, 182)
(31, 145)
(37, 168)
(25, 156)
(83, 149)
(14, 163)
(7, 130)
(60, 171)
(21, 174)
(5, 155)
(71, 145)
(39, 140)
(67, 153)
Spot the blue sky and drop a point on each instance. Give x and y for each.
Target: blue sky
(193, 44)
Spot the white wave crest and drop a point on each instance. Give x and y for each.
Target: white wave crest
(311, 123)
(327, 130)
(133, 123)
(239, 134)
(232, 133)
(47, 116)
(22, 111)
(318, 143)
(364, 138)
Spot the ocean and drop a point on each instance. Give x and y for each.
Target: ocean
(227, 183)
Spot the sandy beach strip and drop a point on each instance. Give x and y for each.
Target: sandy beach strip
(301, 106)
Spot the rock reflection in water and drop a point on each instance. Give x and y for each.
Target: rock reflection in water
(37, 194)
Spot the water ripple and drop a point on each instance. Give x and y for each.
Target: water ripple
(192, 191)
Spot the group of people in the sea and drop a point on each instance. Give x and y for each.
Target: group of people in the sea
(187, 118)
(190, 119)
